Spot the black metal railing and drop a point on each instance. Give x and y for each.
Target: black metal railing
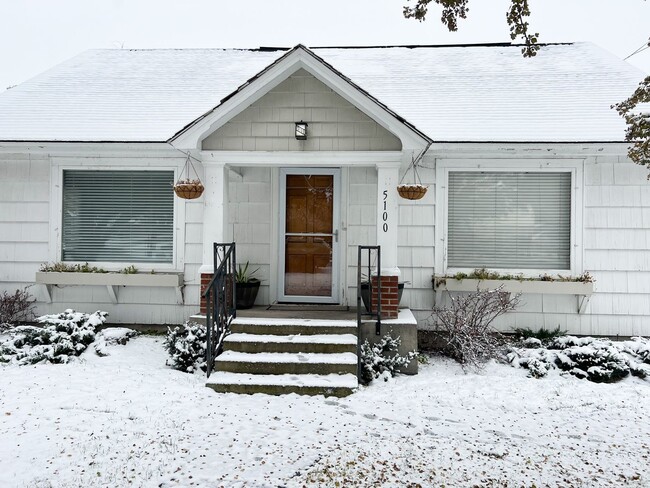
(220, 302)
(364, 285)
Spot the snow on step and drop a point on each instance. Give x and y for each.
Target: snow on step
(294, 338)
(313, 380)
(299, 322)
(285, 357)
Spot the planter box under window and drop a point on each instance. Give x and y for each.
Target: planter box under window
(582, 290)
(112, 281)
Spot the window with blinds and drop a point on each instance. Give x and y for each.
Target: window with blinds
(504, 220)
(118, 216)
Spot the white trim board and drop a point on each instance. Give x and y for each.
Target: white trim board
(335, 159)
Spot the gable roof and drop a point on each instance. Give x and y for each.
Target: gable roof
(459, 93)
(298, 58)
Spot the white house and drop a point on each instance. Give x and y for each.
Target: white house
(524, 158)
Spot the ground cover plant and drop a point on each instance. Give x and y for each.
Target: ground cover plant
(58, 338)
(111, 337)
(594, 359)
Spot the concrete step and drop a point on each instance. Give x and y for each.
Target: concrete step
(286, 363)
(323, 343)
(266, 326)
(282, 384)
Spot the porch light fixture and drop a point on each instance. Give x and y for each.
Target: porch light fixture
(301, 130)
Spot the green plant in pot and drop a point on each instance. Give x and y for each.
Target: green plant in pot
(247, 286)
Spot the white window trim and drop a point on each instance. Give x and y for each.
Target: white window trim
(56, 210)
(573, 166)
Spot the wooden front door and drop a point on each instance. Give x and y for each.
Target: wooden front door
(310, 236)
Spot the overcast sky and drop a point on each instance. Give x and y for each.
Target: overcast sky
(38, 34)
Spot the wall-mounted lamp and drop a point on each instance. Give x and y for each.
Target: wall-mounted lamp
(301, 130)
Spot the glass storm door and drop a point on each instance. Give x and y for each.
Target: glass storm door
(309, 239)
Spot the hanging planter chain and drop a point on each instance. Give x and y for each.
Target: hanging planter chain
(188, 188)
(416, 190)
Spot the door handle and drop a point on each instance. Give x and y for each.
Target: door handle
(336, 235)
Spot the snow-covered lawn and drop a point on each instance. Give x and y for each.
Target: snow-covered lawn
(127, 420)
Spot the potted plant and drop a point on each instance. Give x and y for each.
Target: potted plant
(247, 286)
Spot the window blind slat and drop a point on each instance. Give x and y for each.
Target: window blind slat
(118, 216)
(509, 220)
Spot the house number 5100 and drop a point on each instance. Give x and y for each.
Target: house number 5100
(384, 216)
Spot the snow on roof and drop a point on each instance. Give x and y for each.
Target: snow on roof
(454, 93)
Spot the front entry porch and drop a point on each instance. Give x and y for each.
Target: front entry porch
(305, 350)
(315, 350)
(299, 225)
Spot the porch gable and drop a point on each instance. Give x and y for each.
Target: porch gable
(335, 124)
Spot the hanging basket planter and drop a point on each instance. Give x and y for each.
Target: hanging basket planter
(187, 188)
(411, 192)
(415, 190)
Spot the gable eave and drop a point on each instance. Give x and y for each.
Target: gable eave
(190, 136)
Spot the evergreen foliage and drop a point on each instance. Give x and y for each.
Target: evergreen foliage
(381, 360)
(186, 345)
(597, 360)
(61, 337)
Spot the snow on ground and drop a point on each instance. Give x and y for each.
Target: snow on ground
(128, 420)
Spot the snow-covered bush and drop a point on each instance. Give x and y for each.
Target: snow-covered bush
(60, 337)
(381, 360)
(598, 360)
(638, 347)
(536, 361)
(186, 344)
(466, 324)
(111, 337)
(16, 307)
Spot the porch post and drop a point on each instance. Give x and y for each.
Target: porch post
(215, 217)
(387, 217)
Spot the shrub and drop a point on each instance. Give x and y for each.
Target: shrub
(466, 324)
(61, 337)
(542, 333)
(111, 337)
(186, 344)
(18, 307)
(638, 347)
(381, 360)
(598, 360)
